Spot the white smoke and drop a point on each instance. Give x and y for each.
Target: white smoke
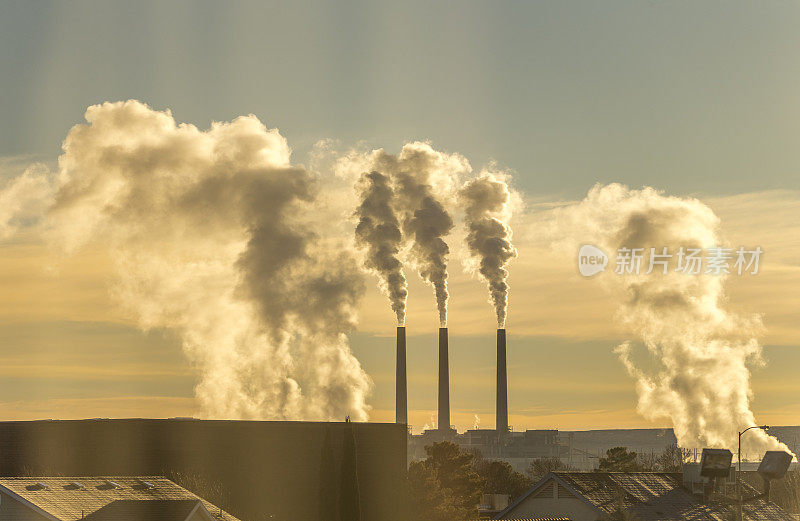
(378, 229)
(423, 181)
(487, 207)
(209, 239)
(23, 199)
(703, 350)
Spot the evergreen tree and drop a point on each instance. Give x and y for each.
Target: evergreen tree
(500, 478)
(444, 486)
(619, 459)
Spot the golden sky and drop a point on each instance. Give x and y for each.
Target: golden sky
(67, 351)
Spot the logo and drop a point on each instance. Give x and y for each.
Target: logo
(591, 260)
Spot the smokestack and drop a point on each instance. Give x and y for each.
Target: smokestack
(401, 396)
(502, 384)
(444, 381)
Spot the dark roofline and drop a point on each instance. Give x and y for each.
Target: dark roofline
(548, 477)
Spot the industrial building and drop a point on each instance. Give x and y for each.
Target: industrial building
(501, 443)
(517, 448)
(287, 470)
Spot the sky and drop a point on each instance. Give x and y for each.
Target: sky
(691, 98)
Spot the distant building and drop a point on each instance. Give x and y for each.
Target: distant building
(517, 448)
(117, 498)
(646, 496)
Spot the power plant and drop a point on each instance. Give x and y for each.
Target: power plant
(443, 418)
(517, 448)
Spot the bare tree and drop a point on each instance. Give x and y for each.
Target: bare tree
(647, 461)
(671, 459)
(540, 467)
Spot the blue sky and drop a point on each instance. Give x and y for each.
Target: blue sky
(686, 96)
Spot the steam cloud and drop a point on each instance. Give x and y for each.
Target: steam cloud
(208, 239)
(702, 383)
(423, 180)
(487, 207)
(24, 198)
(379, 230)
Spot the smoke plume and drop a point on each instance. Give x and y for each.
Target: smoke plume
(209, 240)
(378, 229)
(702, 350)
(23, 199)
(423, 180)
(486, 202)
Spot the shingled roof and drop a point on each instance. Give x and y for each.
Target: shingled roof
(120, 498)
(651, 496)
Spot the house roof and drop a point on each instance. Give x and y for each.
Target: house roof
(100, 498)
(650, 495)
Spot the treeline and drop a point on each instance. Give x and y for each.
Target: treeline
(447, 485)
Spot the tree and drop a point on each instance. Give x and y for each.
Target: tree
(647, 461)
(429, 500)
(619, 459)
(444, 486)
(671, 459)
(540, 467)
(501, 478)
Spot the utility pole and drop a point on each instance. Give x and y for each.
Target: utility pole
(740, 516)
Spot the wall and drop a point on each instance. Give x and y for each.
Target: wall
(262, 468)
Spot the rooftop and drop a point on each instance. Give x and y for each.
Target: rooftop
(109, 497)
(651, 496)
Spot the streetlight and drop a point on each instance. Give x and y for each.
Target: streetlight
(762, 427)
(738, 473)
